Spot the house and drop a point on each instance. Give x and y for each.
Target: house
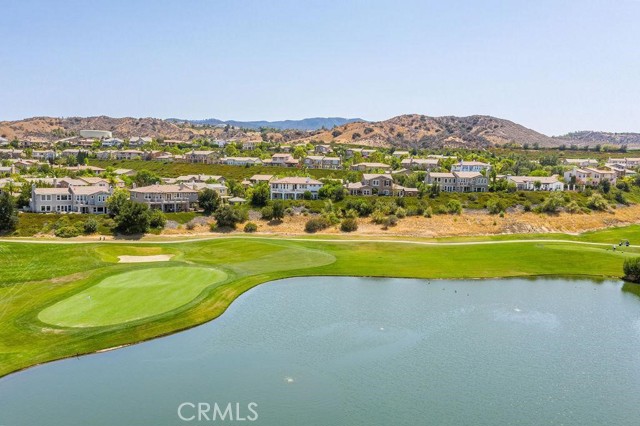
(470, 166)
(630, 163)
(220, 188)
(400, 154)
(139, 141)
(255, 179)
(82, 168)
(589, 176)
(124, 172)
(363, 167)
(10, 170)
(373, 184)
(76, 199)
(72, 152)
(26, 164)
(322, 162)
(620, 170)
(4, 141)
(419, 163)
(11, 153)
(580, 162)
(167, 198)
(104, 155)
(166, 157)
(249, 145)
(128, 154)
(458, 181)
(112, 142)
(294, 188)
(43, 155)
(537, 183)
(366, 153)
(199, 179)
(241, 161)
(322, 149)
(284, 160)
(203, 157)
(221, 143)
(236, 200)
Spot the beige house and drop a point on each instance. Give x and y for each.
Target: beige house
(419, 163)
(363, 167)
(589, 176)
(72, 199)
(323, 162)
(168, 198)
(203, 157)
(294, 188)
(458, 181)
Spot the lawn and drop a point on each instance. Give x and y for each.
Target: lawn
(131, 296)
(60, 300)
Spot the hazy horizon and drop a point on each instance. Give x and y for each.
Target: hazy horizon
(555, 67)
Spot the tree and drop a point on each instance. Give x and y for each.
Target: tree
(8, 212)
(209, 200)
(157, 219)
(278, 210)
(132, 218)
(146, 178)
(116, 201)
(631, 269)
(228, 217)
(260, 195)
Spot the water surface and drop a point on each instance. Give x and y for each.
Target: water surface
(362, 351)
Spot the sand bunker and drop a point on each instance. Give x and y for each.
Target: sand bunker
(141, 259)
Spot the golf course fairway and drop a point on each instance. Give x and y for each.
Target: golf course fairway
(131, 296)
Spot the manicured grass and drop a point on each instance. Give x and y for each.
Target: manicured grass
(131, 296)
(44, 288)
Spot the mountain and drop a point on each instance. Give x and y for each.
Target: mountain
(315, 123)
(587, 137)
(421, 131)
(404, 131)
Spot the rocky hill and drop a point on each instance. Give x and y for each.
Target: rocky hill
(420, 131)
(603, 138)
(315, 123)
(404, 131)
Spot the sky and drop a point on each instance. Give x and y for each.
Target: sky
(552, 65)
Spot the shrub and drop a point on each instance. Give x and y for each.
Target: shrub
(597, 202)
(378, 217)
(552, 203)
(157, 219)
(190, 226)
(68, 231)
(454, 207)
(428, 212)
(631, 269)
(228, 216)
(573, 207)
(391, 220)
(527, 206)
(401, 213)
(494, 206)
(316, 224)
(208, 200)
(349, 225)
(267, 213)
(619, 197)
(90, 226)
(8, 212)
(250, 227)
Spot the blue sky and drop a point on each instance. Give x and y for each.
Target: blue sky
(552, 65)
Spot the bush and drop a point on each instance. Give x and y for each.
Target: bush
(8, 212)
(428, 212)
(68, 231)
(573, 207)
(391, 220)
(401, 213)
(349, 225)
(378, 217)
(552, 203)
(527, 206)
(494, 206)
(208, 200)
(157, 219)
(250, 227)
(631, 269)
(132, 218)
(90, 226)
(267, 213)
(190, 226)
(619, 197)
(597, 202)
(228, 216)
(316, 224)
(454, 207)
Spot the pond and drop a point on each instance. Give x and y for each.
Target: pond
(363, 351)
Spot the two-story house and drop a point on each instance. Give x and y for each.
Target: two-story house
(168, 198)
(294, 188)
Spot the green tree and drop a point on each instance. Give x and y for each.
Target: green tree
(132, 218)
(157, 219)
(146, 178)
(209, 201)
(228, 216)
(116, 201)
(631, 269)
(8, 212)
(278, 210)
(260, 195)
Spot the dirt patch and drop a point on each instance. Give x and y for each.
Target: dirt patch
(142, 259)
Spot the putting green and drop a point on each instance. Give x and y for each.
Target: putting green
(132, 296)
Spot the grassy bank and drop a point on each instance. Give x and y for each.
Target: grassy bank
(46, 289)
